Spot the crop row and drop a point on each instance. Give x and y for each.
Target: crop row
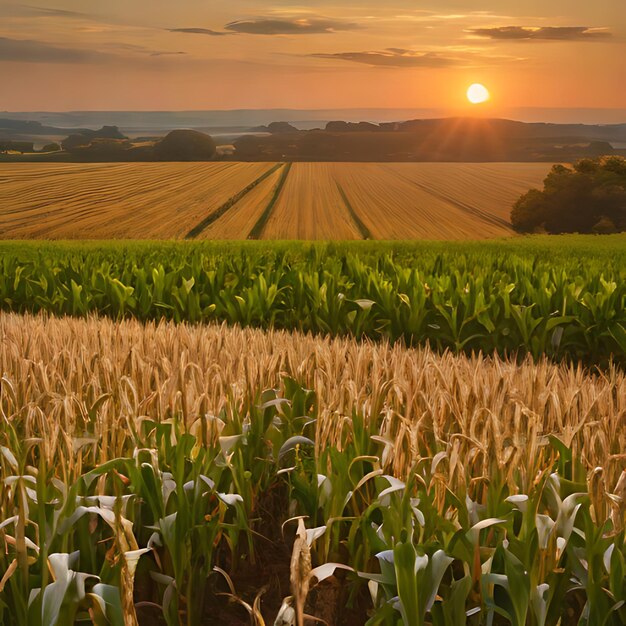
(170, 525)
(464, 299)
(147, 478)
(224, 200)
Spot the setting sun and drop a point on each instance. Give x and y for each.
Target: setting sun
(477, 93)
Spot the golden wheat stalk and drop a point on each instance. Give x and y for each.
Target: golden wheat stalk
(84, 385)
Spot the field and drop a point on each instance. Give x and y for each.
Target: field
(178, 452)
(262, 200)
(523, 295)
(121, 200)
(369, 433)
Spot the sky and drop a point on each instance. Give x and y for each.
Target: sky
(60, 55)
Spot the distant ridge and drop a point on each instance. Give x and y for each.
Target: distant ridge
(443, 139)
(302, 118)
(454, 139)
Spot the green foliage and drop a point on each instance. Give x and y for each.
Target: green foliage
(588, 197)
(526, 296)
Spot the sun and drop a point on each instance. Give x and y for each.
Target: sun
(477, 93)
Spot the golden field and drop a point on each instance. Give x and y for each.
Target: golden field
(479, 408)
(128, 430)
(226, 200)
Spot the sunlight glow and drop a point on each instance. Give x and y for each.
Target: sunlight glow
(477, 93)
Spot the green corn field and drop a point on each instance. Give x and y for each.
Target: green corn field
(511, 298)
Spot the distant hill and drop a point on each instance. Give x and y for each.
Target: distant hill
(446, 139)
(108, 144)
(84, 138)
(275, 128)
(451, 139)
(9, 127)
(149, 122)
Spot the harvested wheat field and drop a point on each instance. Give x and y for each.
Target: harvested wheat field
(240, 219)
(119, 200)
(55, 369)
(497, 185)
(262, 200)
(311, 206)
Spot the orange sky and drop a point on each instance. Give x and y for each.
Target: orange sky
(212, 54)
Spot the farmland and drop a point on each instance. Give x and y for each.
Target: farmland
(227, 200)
(526, 295)
(177, 452)
(381, 433)
(116, 200)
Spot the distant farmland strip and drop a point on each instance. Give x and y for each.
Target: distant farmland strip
(365, 231)
(232, 200)
(215, 215)
(257, 229)
(489, 187)
(238, 221)
(128, 200)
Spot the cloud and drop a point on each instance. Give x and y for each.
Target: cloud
(198, 31)
(544, 33)
(141, 50)
(289, 26)
(394, 57)
(451, 56)
(31, 51)
(159, 53)
(43, 11)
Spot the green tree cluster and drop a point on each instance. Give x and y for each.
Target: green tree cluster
(588, 197)
(185, 145)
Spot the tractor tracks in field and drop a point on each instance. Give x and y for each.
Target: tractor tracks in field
(257, 229)
(231, 202)
(358, 222)
(467, 208)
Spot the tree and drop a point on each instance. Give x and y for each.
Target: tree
(185, 145)
(588, 197)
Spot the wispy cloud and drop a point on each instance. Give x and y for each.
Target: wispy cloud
(199, 31)
(32, 51)
(544, 33)
(166, 53)
(393, 57)
(289, 26)
(451, 56)
(137, 50)
(28, 9)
